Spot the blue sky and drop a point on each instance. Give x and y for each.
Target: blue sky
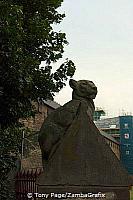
(100, 36)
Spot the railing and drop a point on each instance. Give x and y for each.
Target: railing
(26, 183)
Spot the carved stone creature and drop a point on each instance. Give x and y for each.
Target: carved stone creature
(57, 123)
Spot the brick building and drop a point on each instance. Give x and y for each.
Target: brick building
(43, 108)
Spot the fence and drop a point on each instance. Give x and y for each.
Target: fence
(26, 183)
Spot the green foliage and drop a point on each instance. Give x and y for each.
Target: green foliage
(10, 144)
(27, 39)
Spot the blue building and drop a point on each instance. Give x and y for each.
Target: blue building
(126, 142)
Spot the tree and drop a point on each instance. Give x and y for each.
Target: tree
(10, 140)
(26, 39)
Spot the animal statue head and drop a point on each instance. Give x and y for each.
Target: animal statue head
(83, 89)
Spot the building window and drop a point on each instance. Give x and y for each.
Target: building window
(113, 126)
(127, 152)
(126, 135)
(126, 125)
(127, 145)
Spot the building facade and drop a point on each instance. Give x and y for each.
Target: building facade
(126, 142)
(43, 109)
(121, 128)
(111, 126)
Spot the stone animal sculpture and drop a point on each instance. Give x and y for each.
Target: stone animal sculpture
(57, 123)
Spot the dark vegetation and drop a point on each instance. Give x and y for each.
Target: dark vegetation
(26, 39)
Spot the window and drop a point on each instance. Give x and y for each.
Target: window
(126, 125)
(126, 135)
(113, 126)
(127, 145)
(127, 152)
